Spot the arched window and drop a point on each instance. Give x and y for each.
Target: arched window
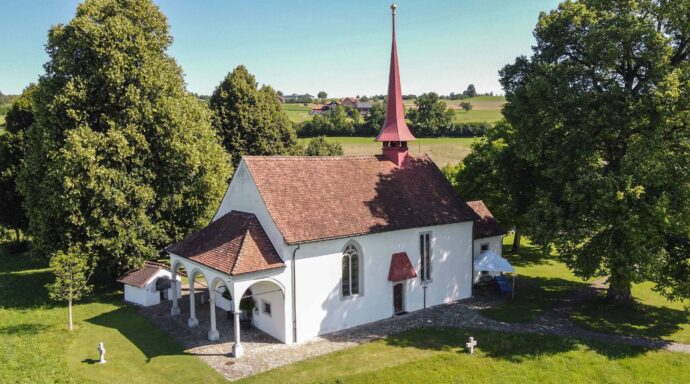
(350, 271)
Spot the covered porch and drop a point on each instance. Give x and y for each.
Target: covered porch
(224, 308)
(231, 265)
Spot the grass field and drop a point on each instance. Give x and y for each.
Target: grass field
(35, 346)
(438, 356)
(484, 108)
(297, 112)
(542, 281)
(652, 316)
(442, 150)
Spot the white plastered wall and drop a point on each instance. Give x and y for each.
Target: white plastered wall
(495, 244)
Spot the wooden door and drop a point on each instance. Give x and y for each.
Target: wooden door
(398, 298)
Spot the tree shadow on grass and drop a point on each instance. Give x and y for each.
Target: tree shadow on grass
(151, 341)
(640, 320)
(529, 255)
(533, 297)
(22, 329)
(513, 347)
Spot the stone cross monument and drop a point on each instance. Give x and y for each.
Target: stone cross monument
(471, 344)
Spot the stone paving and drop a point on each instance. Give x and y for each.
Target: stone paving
(262, 352)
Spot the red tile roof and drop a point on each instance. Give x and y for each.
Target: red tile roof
(318, 198)
(234, 244)
(139, 277)
(487, 226)
(401, 268)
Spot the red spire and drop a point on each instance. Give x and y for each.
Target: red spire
(395, 128)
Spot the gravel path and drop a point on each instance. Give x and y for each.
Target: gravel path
(263, 353)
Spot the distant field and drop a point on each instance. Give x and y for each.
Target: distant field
(441, 150)
(297, 112)
(484, 108)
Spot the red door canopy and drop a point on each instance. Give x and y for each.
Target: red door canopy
(401, 268)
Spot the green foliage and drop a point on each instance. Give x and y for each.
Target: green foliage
(72, 269)
(320, 147)
(494, 173)
(121, 159)
(373, 121)
(334, 122)
(601, 110)
(431, 115)
(250, 120)
(19, 119)
(322, 95)
(466, 106)
(470, 91)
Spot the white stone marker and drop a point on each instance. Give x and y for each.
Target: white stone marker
(471, 344)
(101, 350)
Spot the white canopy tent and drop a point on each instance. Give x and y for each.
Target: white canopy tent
(490, 261)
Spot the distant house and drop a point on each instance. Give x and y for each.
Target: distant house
(349, 102)
(324, 108)
(363, 107)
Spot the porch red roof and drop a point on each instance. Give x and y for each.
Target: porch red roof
(401, 268)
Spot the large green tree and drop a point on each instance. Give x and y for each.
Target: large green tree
(602, 110)
(250, 119)
(18, 119)
(494, 173)
(121, 160)
(430, 116)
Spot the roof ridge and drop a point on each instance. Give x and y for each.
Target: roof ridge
(241, 246)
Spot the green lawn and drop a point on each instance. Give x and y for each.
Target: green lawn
(541, 282)
(35, 346)
(438, 356)
(443, 150)
(652, 316)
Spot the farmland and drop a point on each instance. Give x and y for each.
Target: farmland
(484, 108)
(442, 150)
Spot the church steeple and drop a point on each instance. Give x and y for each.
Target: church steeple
(395, 133)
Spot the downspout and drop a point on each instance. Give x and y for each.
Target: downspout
(472, 277)
(294, 296)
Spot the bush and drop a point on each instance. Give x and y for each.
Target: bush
(320, 147)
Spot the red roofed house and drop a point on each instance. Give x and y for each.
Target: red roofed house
(327, 243)
(488, 234)
(148, 285)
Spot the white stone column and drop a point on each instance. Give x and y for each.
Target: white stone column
(173, 285)
(237, 348)
(192, 322)
(213, 332)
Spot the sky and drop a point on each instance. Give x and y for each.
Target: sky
(341, 47)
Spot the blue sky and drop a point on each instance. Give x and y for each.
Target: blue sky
(342, 47)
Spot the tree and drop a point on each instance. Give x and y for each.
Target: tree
(18, 119)
(320, 147)
(493, 172)
(373, 121)
(601, 110)
(250, 119)
(72, 269)
(279, 93)
(470, 91)
(431, 115)
(121, 159)
(322, 95)
(466, 106)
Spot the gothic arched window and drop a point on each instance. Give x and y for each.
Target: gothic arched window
(351, 271)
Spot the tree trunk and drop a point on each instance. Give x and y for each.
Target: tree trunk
(620, 290)
(69, 306)
(516, 240)
(16, 234)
